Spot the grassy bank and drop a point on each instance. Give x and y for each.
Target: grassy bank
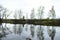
(52, 22)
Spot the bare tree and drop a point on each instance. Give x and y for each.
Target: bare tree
(52, 31)
(3, 14)
(15, 14)
(2, 11)
(52, 13)
(32, 14)
(40, 12)
(20, 14)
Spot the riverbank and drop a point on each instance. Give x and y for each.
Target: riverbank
(53, 22)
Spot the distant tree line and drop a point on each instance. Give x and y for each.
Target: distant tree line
(18, 14)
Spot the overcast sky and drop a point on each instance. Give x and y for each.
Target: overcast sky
(27, 5)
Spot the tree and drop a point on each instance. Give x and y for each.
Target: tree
(3, 12)
(15, 15)
(40, 12)
(26, 15)
(52, 31)
(32, 14)
(20, 14)
(52, 13)
(0, 10)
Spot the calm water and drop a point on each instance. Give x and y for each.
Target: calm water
(29, 31)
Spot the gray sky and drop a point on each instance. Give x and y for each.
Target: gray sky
(27, 5)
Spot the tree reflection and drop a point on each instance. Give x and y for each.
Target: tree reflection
(0, 31)
(40, 33)
(14, 28)
(26, 27)
(32, 30)
(51, 32)
(20, 28)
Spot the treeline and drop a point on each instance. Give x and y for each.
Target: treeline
(52, 22)
(18, 14)
(19, 18)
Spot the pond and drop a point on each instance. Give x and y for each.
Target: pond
(29, 32)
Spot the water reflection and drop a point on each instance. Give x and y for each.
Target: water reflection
(18, 28)
(32, 30)
(2, 31)
(51, 32)
(26, 27)
(40, 33)
(29, 32)
(14, 29)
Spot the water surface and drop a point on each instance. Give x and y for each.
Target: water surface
(30, 31)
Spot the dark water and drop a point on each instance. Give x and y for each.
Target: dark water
(29, 32)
